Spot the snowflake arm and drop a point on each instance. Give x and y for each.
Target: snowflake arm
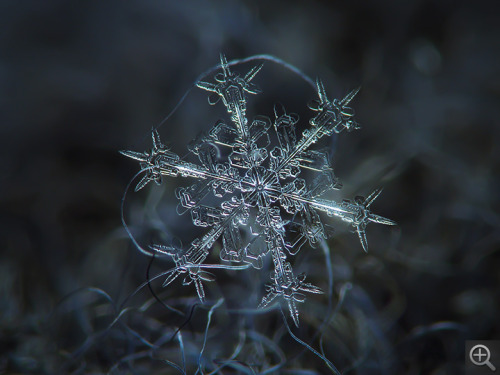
(333, 115)
(287, 286)
(150, 161)
(356, 213)
(231, 88)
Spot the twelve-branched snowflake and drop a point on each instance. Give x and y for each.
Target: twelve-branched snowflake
(257, 187)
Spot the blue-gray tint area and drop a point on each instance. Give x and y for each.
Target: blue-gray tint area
(81, 80)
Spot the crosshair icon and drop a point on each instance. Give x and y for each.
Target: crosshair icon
(476, 355)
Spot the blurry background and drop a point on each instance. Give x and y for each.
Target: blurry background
(81, 80)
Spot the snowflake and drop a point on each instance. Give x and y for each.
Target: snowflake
(258, 186)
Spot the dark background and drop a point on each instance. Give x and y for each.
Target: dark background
(81, 80)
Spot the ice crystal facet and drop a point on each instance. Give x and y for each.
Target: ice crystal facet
(258, 187)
